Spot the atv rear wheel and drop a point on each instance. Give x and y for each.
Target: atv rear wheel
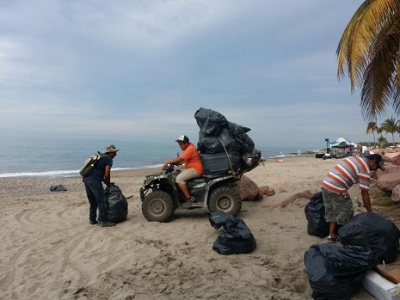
(158, 206)
(226, 199)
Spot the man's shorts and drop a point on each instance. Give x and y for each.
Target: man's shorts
(186, 175)
(338, 208)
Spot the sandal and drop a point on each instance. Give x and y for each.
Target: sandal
(332, 239)
(191, 199)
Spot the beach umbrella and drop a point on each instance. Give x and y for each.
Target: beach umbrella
(342, 143)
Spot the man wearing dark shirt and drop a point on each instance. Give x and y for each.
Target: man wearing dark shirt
(94, 187)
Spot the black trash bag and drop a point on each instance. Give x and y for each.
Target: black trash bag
(117, 204)
(315, 215)
(58, 188)
(336, 272)
(236, 129)
(236, 238)
(224, 142)
(210, 122)
(371, 230)
(209, 145)
(239, 134)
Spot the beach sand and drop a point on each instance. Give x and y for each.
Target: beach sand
(50, 251)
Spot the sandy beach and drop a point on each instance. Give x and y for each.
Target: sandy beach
(50, 251)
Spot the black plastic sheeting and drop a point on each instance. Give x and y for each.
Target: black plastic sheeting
(237, 237)
(219, 136)
(58, 188)
(371, 230)
(336, 272)
(117, 204)
(315, 215)
(215, 128)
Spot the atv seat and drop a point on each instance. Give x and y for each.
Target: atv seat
(192, 182)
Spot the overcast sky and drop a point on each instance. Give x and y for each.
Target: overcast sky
(139, 70)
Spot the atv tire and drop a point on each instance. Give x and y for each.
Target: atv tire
(158, 206)
(226, 199)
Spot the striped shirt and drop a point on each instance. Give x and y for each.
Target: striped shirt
(351, 170)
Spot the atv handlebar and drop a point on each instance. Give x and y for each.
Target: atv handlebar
(170, 168)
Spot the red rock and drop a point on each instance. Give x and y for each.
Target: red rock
(389, 157)
(270, 192)
(396, 194)
(396, 160)
(247, 189)
(389, 180)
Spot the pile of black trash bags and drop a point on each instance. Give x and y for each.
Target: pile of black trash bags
(336, 272)
(225, 148)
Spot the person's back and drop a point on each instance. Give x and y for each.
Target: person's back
(351, 170)
(192, 159)
(99, 169)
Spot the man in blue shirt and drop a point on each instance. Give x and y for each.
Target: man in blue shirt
(94, 187)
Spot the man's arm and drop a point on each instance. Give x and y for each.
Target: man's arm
(107, 175)
(366, 200)
(176, 160)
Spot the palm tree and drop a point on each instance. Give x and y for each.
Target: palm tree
(390, 126)
(382, 141)
(371, 128)
(368, 52)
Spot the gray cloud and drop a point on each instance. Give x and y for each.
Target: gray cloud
(140, 70)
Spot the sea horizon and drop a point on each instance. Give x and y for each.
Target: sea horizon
(56, 157)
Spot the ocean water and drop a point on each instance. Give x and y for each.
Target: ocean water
(57, 157)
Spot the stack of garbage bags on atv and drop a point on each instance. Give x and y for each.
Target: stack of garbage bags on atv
(225, 148)
(335, 272)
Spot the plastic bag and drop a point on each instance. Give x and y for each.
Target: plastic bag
(336, 272)
(58, 188)
(117, 204)
(236, 238)
(374, 231)
(210, 121)
(315, 215)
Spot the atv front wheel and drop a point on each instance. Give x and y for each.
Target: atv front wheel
(226, 199)
(158, 206)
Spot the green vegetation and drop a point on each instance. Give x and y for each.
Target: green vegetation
(379, 197)
(391, 126)
(368, 52)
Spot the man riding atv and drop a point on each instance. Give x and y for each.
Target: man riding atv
(193, 166)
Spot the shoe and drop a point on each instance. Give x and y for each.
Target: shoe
(93, 222)
(106, 224)
(191, 199)
(333, 239)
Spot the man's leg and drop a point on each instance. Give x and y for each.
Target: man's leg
(332, 229)
(184, 189)
(92, 204)
(330, 214)
(184, 176)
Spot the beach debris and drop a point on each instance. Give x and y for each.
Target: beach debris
(58, 188)
(116, 203)
(315, 215)
(237, 237)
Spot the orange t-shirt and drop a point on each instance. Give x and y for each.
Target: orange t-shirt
(192, 159)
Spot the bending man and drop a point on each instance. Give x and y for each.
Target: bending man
(337, 202)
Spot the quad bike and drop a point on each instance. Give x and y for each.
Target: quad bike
(161, 196)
